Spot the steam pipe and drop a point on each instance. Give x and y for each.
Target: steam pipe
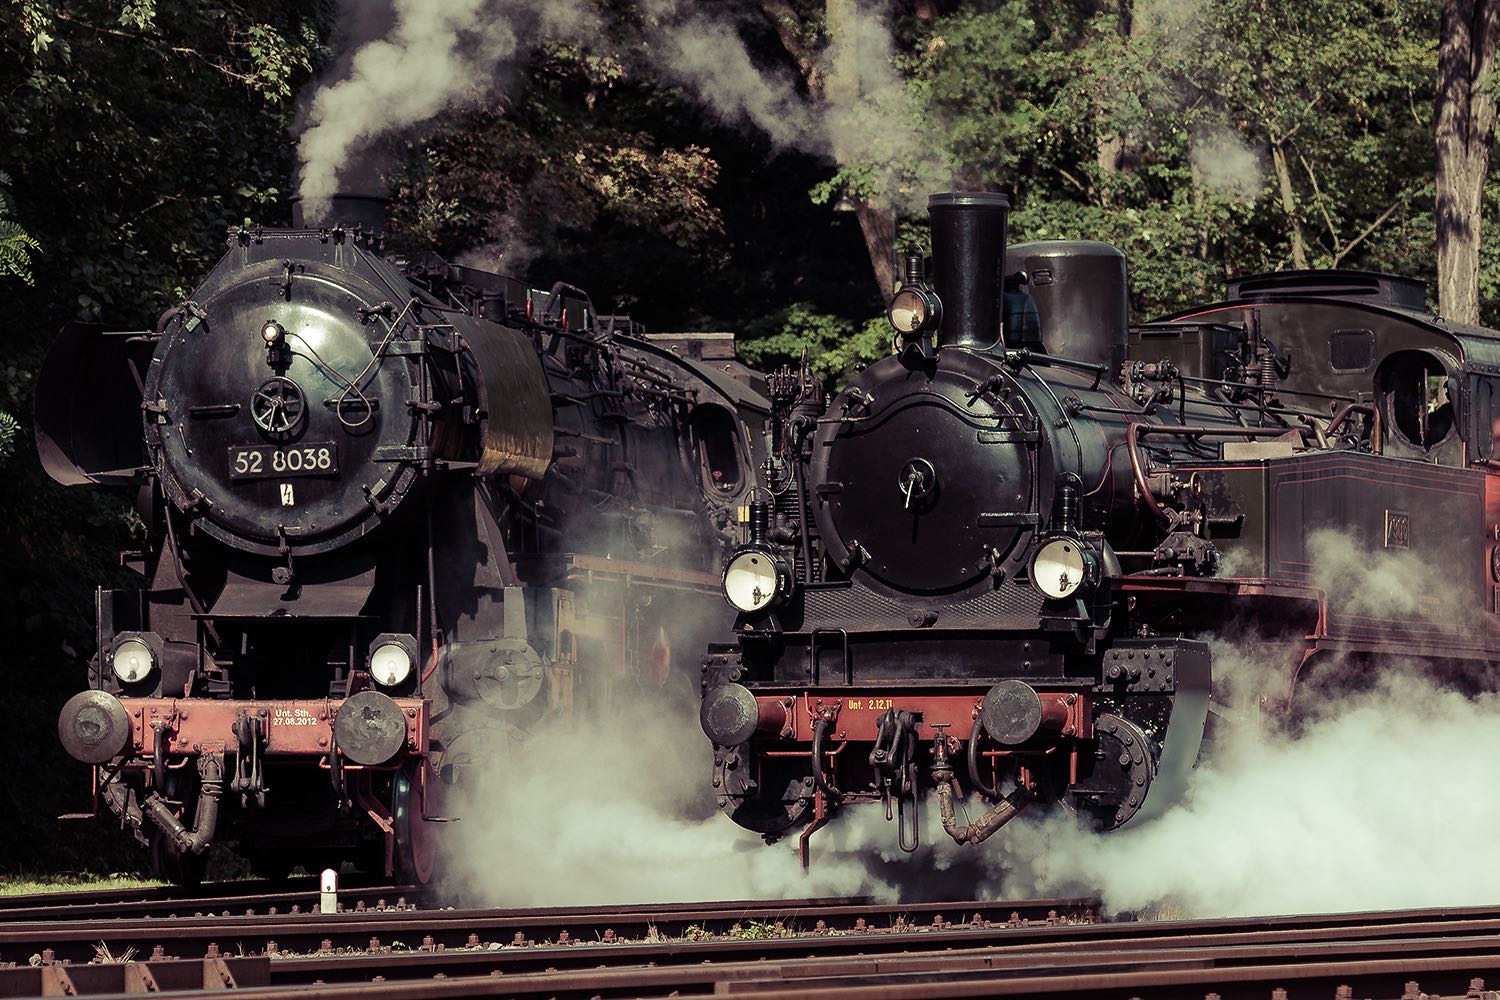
(985, 826)
(974, 779)
(196, 840)
(823, 783)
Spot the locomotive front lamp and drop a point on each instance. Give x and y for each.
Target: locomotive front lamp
(1062, 565)
(755, 579)
(912, 310)
(915, 308)
(134, 655)
(392, 656)
(272, 332)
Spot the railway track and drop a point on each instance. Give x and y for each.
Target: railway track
(237, 898)
(829, 948)
(289, 933)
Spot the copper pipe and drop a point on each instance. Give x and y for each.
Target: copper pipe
(1137, 430)
(1351, 408)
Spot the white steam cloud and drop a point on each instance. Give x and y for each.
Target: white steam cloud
(1225, 165)
(440, 54)
(437, 51)
(619, 813)
(1373, 807)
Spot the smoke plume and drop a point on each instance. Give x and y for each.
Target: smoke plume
(1225, 165)
(439, 54)
(436, 52)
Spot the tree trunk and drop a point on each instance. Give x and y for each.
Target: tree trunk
(878, 226)
(1289, 204)
(833, 79)
(1110, 150)
(1464, 136)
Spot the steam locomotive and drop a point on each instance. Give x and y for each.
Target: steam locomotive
(390, 506)
(989, 567)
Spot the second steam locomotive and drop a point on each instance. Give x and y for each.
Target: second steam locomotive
(389, 507)
(989, 566)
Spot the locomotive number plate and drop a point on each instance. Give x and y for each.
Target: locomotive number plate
(279, 461)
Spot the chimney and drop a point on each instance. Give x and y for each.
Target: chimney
(968, 252)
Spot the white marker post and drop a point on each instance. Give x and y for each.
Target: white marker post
(329, 902)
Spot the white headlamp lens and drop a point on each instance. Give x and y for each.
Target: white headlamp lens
(132, 661)
(390, 664)
(1058, 569)
(750, 581)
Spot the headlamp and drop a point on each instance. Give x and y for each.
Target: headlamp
(755, 579)
(134, 656)
(392, 657)
(1062, 565)
(913, 310)
(272, 332)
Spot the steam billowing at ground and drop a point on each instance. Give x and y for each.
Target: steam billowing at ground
(440, 54)
(614, 813)
(1375, 799)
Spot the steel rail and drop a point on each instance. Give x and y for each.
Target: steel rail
(934, 959)
(194, 937)
(1160, 974)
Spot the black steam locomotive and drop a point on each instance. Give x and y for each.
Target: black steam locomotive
(988, 566)
(389, 506)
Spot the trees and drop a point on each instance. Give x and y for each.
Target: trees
(1464, 138)
(133, 138)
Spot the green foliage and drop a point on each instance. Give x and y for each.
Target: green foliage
(16, 245)
(134, 135)
(834, 345)
(8, 429)
(756, 930)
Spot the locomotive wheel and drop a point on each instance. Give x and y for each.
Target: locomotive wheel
(416, 839)
(171, 865)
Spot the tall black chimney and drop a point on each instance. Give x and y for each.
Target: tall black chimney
(968, 252)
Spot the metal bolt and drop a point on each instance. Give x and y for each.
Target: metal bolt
(411, 713)
(374, 944)
(609, 934)
(212, 952)
(564, 938)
